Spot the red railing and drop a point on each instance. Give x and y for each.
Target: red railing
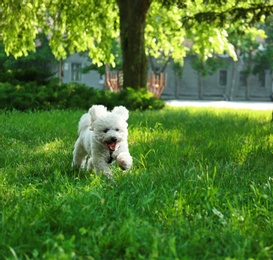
(156, 82)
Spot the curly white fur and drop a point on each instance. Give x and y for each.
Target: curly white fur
(103, 139)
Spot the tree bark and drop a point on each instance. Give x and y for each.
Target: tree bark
(200, 86)
(60, 72)
(132, 26)
(231, 91)
(247, 93)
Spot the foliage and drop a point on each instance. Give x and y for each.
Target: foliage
(263, 59)
(116, 51)
(247, 48)
(206, 24)
(73, 27)
(209, 66)
(164, 33)
(92, 26)
(140, 99)
(31, 96)
(34, 67)
(200, 188)
(239, 14)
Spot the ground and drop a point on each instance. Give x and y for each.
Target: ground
(223, 104)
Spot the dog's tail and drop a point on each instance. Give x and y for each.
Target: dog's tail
(84, 123)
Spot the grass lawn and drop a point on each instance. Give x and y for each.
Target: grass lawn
(201, 187)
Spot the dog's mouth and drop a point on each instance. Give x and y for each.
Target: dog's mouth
(111, 145)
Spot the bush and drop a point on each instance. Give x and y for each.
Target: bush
(31, 96)
(140, 99)
(31, 74)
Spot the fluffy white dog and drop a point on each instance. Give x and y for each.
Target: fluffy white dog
(103, 138)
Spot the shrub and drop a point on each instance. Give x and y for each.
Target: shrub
(31, 96)
(141, 99)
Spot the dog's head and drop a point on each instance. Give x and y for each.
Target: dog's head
(109, 128)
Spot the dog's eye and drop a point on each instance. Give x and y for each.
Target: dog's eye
(106, 130)
(117, 129)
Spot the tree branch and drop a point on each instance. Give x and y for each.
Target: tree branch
(233, 14)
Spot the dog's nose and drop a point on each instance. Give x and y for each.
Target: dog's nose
(113, 139)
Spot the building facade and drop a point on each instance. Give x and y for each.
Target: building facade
(228, 83)
(72, 72)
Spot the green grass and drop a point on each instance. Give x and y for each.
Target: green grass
(201, 187)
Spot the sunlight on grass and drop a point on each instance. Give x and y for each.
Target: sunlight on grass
(55, 146)
(200, 188)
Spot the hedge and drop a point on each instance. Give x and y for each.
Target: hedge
(30, 96)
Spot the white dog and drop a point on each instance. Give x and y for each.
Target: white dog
(103, 138)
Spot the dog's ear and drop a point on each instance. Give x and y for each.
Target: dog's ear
(122, 111)
(95, 112)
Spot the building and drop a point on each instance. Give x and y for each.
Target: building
(228, 83)
(72, 72)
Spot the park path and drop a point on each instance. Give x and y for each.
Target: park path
(222, 104)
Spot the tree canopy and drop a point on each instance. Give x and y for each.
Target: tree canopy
(154, 27)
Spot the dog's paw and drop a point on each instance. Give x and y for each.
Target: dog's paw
(103, 169)
(125, 161)
(109, 175)
(78, 166)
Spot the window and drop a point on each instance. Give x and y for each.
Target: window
(242, 79)
(223, 78)
(76, 72)
(262, 79)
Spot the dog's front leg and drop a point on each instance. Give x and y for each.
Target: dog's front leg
(101, 166)
(125, 160)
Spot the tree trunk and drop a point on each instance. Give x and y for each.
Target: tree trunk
(231, 92)
(271, 74)
(60, 72)
(247, 93)
(176, 89)
(200, 86)
(132, 26)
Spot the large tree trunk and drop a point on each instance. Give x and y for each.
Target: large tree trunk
(132, 26)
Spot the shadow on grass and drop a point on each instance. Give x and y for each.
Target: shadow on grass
(199, 183)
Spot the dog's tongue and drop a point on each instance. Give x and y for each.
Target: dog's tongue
(111, 146)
